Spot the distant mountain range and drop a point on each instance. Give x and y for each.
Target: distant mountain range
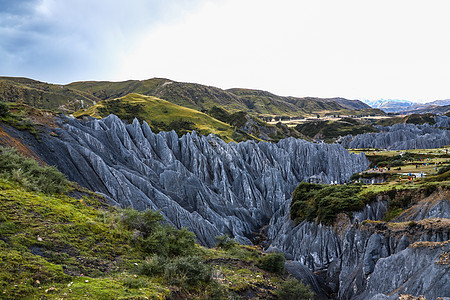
(409, 107)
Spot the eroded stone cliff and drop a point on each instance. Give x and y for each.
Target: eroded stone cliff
(198, 182)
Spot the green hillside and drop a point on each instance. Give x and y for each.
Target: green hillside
(189, 95)
(73, 96)
(160, 114)
(43, 95)
(201, 97)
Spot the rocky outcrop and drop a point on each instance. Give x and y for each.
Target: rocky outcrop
(401, 137)
(352, 251)
(422, 269)
(198, 182)
(300, 272)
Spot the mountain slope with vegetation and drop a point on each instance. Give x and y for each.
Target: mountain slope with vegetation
(43, 95)
(201, 97)
(160, 114)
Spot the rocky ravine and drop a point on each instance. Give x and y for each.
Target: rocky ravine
(216, 188)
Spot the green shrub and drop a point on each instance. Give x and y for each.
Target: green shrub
(445, 176)
(188, 271)
(225, 242)
(292, 289)
(153, 266)
(412, 224)
(154, 237)
(145, 222)
(444, 169)
(29, 174)
(273, 262)
(392, 213)
(7, 228)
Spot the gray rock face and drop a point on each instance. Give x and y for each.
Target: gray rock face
(401, 137)
(198, 182)
(439, 208)
(375, 249)
(351, 256)
(414, 271)
(303, 273)
(442, 121)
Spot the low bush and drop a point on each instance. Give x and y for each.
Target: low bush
(153, 266)
(154, 237)
(225, 242)
(4, 109)
(429, 189)
(29, 174)
(292, 289)
(187, 271)
(273, 262)
(443, 169)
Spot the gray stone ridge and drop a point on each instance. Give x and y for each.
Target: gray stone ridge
(198, 182)
(402, 137)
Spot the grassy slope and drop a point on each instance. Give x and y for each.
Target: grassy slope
(202, 97)
(156, 111)
(43, 95)
(190, 95)
(57, 247)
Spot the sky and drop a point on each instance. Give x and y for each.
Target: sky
(356, 49)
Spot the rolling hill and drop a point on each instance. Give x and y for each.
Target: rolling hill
(71, 97)
(43, 95)
(201, 97)
(160, 114)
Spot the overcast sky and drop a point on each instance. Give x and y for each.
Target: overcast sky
(354, 49)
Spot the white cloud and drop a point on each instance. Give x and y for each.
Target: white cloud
(355, 49)
(62, 41)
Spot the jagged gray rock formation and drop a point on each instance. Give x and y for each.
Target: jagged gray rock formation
(421, 273)
(198, 182)
(360, 257)
(303, 273)
(401, 137)
(442, 121)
